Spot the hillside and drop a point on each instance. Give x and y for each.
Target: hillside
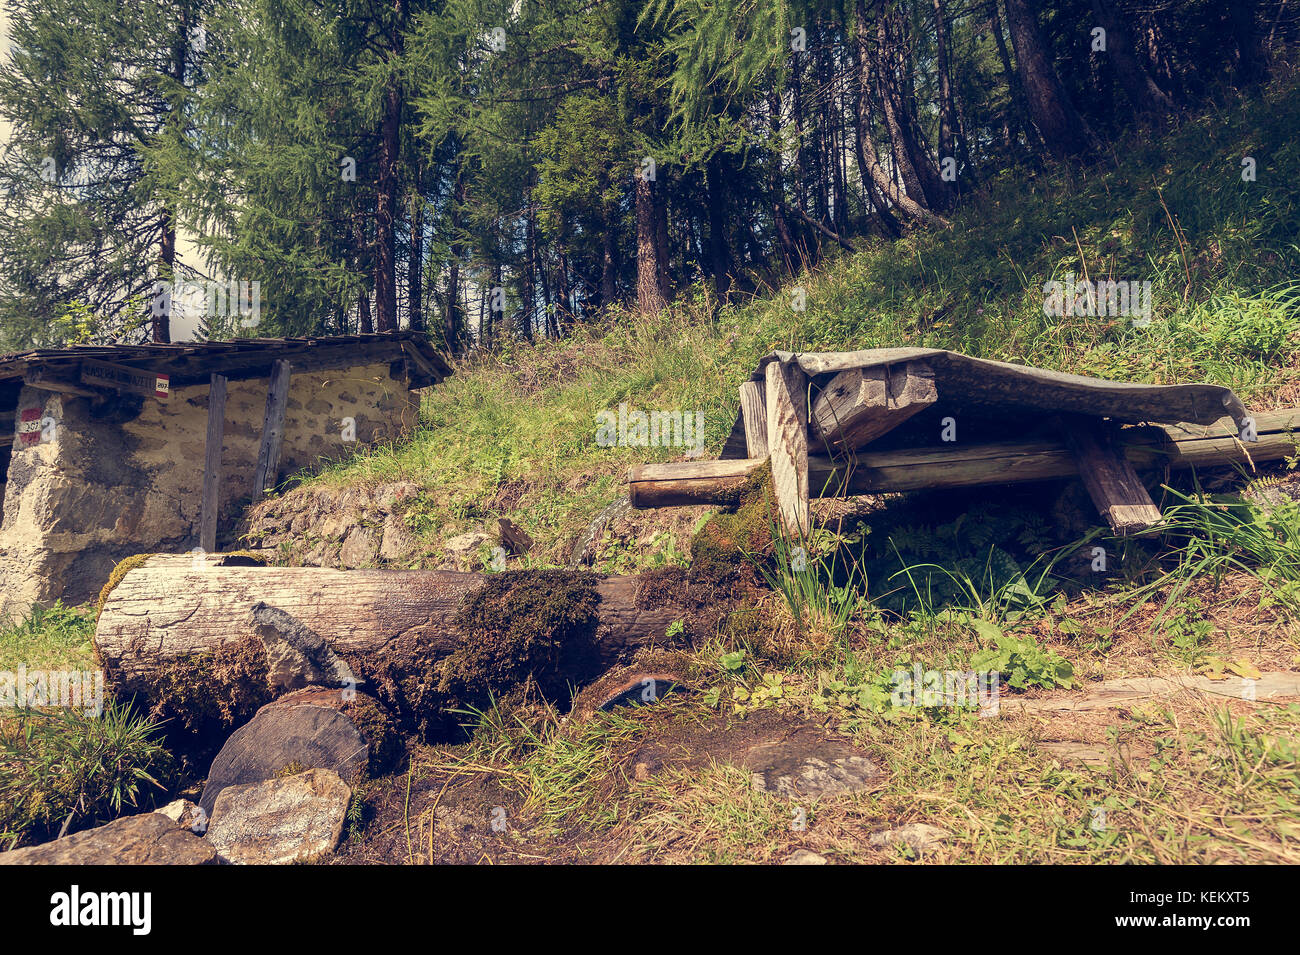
(1183, 766)
(513, 433)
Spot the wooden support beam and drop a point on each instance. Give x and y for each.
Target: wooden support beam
(1111, 480)
(268, 452)
(753, 411)
(861, 404)
(1008, 462)
(212, 464)
(787, 442)
(44, 379)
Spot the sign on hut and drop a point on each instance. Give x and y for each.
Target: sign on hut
(127, 449)
(907, 419)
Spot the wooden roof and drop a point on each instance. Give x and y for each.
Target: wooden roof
(189, 363)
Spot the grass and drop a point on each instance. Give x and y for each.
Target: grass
(64, 770)
(513, 432)
(55, 638)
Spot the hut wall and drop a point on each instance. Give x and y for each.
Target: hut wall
(105, 480)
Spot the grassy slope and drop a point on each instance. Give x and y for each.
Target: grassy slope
(514, 433)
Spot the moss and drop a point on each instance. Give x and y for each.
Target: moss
(122, 568)
(380, 732)
(721, 548)
(292, 768)
(523, 626)
(210, 693)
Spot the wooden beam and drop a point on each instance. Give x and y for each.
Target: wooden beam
(1009, 462)
(42, 378)
(268, 452)
(212, 464)
(1111, 480)
(753, 411)
(787, 442)
(861, 404)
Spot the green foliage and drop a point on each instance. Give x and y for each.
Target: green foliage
(64, 768)
(1021, 661)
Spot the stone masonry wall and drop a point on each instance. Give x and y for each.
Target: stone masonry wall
(126, 476)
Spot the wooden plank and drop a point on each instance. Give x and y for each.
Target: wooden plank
(134, 381)
(268, 452)
(1008, 462)
(753, 410)
(1111, 480)
(44, 379)
(787, 443)
(861, 404)
(212, 464)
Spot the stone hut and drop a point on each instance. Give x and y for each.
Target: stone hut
(115, 451)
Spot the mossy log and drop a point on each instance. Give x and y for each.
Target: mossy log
(183, 632)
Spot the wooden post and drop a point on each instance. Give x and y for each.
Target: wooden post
(268, 452)
(212, 463)
(861, 404)
(787, 443)
(753, 411)
(1109, 476)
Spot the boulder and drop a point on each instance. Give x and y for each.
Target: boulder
(396, 542)
(295, 818)
(150, 838)
(314, 728)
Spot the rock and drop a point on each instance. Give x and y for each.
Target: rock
(297, 656)
(358, 549)
(805, 857)
(187, 815)
(397, 491)
(463, 548)
(809, 769)
(147, 839)
(296, 818)
(336, 525)
(396, 542)
(314, 728)
(919, 836)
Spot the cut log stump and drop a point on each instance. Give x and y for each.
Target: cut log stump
(861, 404)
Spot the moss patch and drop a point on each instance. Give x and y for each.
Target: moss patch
(720, 549)
(206, 694)
(521, 627)
(120, 570)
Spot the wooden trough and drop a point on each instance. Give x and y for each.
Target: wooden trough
(906, 419)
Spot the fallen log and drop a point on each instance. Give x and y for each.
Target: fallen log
(182, 631)
(952, 466)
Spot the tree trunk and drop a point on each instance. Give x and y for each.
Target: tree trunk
(385, 631)
(1065, 133)
(866, 152)
(1139, 87)
(415, 264)
(649, 297)
(719, 248)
